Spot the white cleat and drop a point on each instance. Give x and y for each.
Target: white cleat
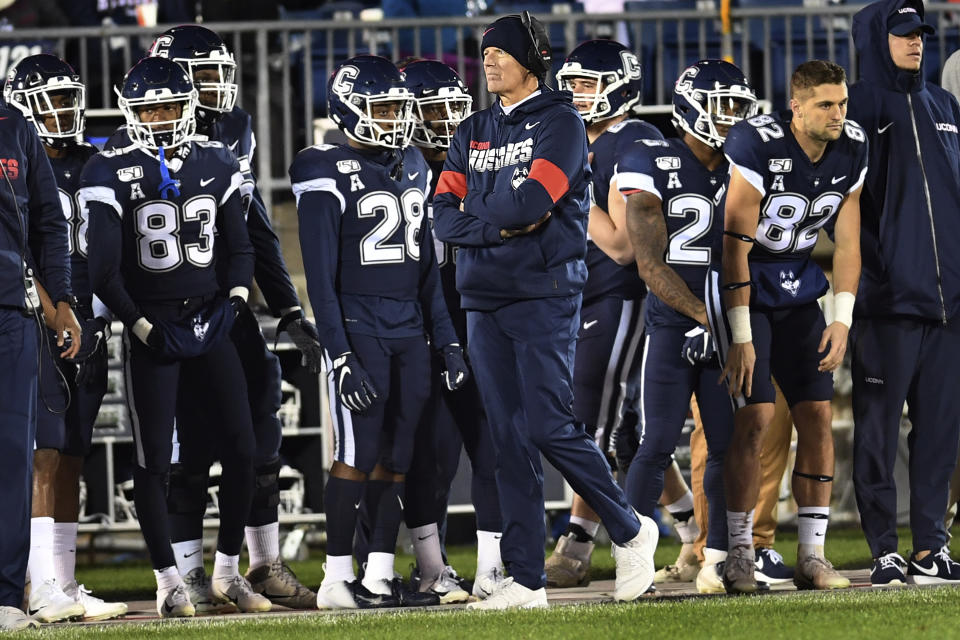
(336, 594)
(48, 603)
(487, 584)
(635, 562)
(13, 619)
(197, 585)
(512, 595)
(93, 607)
(709, 580)
(235, 589)
(448, 589)
(685, 569)
(175, 603)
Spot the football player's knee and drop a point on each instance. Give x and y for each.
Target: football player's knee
(267, 431)
(187, 492)
(266, 491)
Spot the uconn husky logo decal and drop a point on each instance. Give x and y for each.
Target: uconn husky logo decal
(789, 283)
(200, 328)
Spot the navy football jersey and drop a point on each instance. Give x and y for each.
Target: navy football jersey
(604, 276)
(799, 198)
(386, 281)
(164, 248)
(691, 195)
(67, 170)
(235, 131)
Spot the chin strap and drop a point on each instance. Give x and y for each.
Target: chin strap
(168, 186)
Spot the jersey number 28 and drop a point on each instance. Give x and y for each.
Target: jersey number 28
(376, 248)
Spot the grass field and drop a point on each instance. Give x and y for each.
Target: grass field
(899, 614)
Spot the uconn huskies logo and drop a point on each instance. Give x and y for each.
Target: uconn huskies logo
(343, 82)
(200, 328)
(789, 283)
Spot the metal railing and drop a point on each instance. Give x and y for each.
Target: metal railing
(284, 65)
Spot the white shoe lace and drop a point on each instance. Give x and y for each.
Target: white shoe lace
(774, 556)
(944, 555)
(891, 561)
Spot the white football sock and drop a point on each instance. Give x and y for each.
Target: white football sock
(263, 543)
(40, 561)
(188, 555)
(65, 552)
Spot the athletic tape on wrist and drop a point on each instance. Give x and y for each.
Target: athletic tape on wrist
(739, 318)
(843, 308)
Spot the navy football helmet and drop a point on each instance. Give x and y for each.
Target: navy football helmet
(49, 94)
(616, 71)
(154, 81)
(442, 102)
(711, 93)
(211, 66)
(362, 86)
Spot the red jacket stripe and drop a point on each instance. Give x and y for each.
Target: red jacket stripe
(452, 182)
(551, 177)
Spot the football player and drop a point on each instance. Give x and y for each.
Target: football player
(374, 284)
(212, 67)
(164, 213)
(673, 188)
(453, 420)
(606, 81)
(791, 174)
(49, 94)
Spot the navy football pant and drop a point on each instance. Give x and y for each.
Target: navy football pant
(151, 388)
(453, 420)
(18, 379)
(667, 381)
(608, 343)
(896, 360)
(384, 433)
(522, 356)
(200, 432)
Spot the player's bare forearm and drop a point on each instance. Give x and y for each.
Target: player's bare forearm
(608, 229)
(49, 311)
(648, 235)
(735, 269)
(846, 254)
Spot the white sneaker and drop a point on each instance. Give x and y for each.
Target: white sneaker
(175, 603)
(237, 590)
(513, 595)
(197, 585)
(635, 562)
(448, 588)
(485, 585)
(709, 580)
(48, 603)
(12, 619)
(685, 569)
(336, 594)
(93, 607)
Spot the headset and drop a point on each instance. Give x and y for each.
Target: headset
(539, 53)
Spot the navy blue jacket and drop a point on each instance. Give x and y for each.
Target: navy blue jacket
(910, 205)
(32, 197)
(509, 170)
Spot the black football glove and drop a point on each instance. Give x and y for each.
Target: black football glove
(92, 357)
(455, 371)
(239, 305)
(353, 384)
(698, 346)
(305, 337)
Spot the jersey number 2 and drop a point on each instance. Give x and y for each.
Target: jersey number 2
(681, 249)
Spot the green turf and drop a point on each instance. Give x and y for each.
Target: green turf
(845, 547)
(876, 615)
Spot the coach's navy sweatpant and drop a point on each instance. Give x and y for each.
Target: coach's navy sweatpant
(522, 355)
(897, 359)
(18, 379)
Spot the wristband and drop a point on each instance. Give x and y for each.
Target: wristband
(843, 308)
(739, 318)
